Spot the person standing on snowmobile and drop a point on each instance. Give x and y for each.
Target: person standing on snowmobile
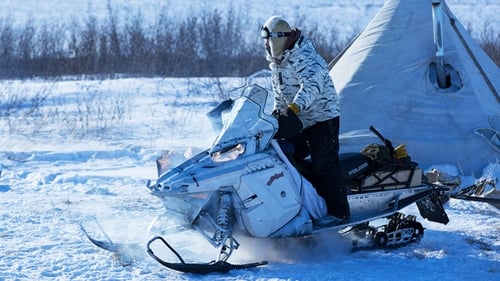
(303, 86)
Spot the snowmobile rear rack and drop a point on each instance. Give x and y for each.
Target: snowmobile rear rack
(197, 268)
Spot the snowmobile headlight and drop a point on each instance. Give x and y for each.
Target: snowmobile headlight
(228, 154)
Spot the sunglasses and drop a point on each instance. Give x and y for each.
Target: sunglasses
(266, 34)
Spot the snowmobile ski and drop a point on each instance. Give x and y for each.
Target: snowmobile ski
(126, 252)
(483, 190)
(197, 268)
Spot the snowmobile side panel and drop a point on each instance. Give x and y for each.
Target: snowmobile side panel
(275, 197)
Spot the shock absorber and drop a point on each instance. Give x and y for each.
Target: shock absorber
(224, 219)
(223, 235)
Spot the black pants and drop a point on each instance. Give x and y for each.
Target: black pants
(321, 142)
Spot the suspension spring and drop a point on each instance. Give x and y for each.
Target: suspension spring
(223, 219)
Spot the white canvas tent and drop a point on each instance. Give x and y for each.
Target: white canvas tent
(387, 78)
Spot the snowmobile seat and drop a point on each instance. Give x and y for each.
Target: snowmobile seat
(353, 165)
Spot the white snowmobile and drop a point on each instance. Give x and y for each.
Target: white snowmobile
(246, 184)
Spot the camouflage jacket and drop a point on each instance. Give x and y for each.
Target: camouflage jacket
(302, 78)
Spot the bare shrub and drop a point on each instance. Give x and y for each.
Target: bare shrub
(209, 44)
(23, 112)
(100, 111)
(163, 43)
(91, 111)
(7, 38)
(489, 40)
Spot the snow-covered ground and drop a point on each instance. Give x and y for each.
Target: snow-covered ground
(71, 161)
(51, 181)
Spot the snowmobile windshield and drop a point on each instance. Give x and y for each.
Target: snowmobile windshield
(247, 128)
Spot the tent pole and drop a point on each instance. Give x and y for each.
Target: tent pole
(437, 19)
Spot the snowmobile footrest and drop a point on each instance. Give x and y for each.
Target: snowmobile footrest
(197, 268)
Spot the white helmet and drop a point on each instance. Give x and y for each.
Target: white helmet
(277, 30)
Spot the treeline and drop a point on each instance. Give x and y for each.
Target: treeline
(210, 44)
(129, 45)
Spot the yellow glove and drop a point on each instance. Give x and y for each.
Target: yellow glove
(294, 107)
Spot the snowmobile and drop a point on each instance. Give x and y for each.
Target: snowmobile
(246, 184)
